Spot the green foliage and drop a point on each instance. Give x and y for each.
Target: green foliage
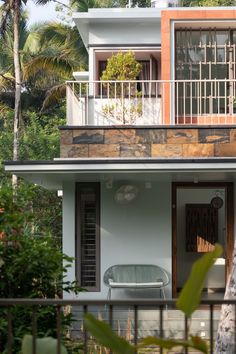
(190, 295)
(30, 211)
(134, 3)
(106, 337)
(121, 66)
(14, 214)
(32, 267)
(208, 3)
(39, 141)
(46, 345)
(188, 302)
(194, 342)
(84, 5)
(40, 136)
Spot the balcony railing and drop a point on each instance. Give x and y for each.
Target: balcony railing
(132, 319)
(153, 102)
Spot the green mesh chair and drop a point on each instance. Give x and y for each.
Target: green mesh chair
(136, 276)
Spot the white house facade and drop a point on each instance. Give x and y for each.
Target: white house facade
(151, 182)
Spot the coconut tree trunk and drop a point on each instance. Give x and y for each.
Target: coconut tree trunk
(225, 341)
(17, 69)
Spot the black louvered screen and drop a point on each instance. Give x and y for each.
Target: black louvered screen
(88, 232)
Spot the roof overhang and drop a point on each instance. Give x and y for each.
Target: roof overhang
(111, 15)
(52, 174)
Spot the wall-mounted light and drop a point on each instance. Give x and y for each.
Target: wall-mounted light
(126, 194)
(217, 202)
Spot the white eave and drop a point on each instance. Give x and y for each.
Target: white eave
(53, 174)
(108, 15)
(122, 15)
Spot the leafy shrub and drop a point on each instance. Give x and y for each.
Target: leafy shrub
(125, 102)
(32, 268)
(29, 210)
(120, 67)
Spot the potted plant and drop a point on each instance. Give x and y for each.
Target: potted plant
(124, 103)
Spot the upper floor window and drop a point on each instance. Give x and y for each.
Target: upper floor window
(205, 71)
(205, 54)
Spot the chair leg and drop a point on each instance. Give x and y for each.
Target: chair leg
(109, 294)
(163, 293)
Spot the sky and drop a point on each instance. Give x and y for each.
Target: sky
(39, 13)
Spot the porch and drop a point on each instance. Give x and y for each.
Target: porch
(102, 226)
(151, 102)
(133, 320)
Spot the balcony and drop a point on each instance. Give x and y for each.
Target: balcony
(151, 103)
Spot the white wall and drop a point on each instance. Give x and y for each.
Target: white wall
(139, 232)
(125, 33)
(68, 229)
(185, 259)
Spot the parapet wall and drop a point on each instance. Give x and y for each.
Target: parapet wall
(158, 142)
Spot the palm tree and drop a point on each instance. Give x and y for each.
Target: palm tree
(11, 12)
(60, 52)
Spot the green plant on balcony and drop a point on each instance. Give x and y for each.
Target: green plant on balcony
(124, 98)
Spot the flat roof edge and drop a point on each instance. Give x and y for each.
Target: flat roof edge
(72, 161)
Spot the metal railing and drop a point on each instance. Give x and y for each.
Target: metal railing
(126, 317)
(151, 102)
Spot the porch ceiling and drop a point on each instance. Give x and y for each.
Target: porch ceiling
(52, 174)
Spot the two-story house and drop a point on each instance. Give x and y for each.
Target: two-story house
(151, 180)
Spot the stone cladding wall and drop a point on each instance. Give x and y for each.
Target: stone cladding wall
(156, 142)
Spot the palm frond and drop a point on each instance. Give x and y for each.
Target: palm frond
(23, 30)
(83, 5)
(41, 2)
(60, 65)
(7, 82)
(55, 33)
(4, 109)
(5, 18)
(31, 44)
(53, 96)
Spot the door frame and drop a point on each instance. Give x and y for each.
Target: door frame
(229, 196)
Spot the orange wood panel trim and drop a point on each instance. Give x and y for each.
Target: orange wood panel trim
(166, 17)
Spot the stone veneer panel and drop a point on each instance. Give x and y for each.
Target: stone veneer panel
(156, 142)
(167, 150)
(85, 136)
(66, 137)
(150, 136)
(181, 136)
(228, 150)
(198, 150)
(232, 135)
(72, 150)
(126, 136)
(104, 150)
(135, 150)
(214, 135)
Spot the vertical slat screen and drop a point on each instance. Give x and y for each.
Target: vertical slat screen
(88, 236)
